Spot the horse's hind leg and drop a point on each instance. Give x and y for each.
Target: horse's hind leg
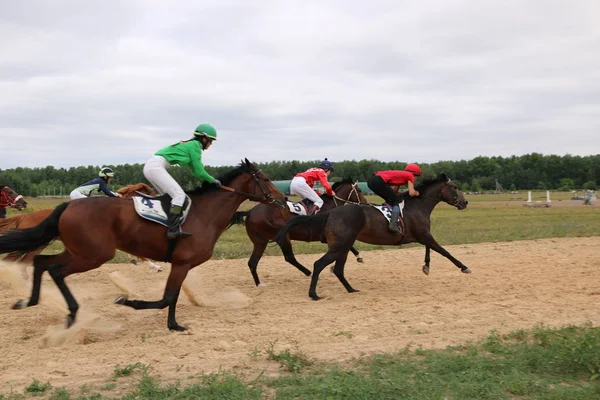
(172, 289)
(319, 265)
(41, 263)
(338, 270)
(427, 260)
(357, 255)
(288, 253)
(259, 248)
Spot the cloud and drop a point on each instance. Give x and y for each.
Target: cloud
(112, 82)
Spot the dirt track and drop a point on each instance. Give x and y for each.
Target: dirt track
(513, 285)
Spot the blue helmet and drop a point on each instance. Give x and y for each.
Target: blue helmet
(326, 164)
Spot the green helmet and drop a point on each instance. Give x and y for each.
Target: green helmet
(206, 130)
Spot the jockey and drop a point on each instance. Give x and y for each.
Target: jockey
(187, 153)
(381, 181)
(302, 184)
(99, 184)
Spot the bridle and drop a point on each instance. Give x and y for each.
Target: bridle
(253, 196)
(455, 200)
(345, 201)
(6, 200)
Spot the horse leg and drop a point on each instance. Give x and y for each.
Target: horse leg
(338, 270)
(40, 265)
(427, 259)
(259, 248)
(319, 265)
(172, 289)
(430, 242)
(288, 253)
(357, 255)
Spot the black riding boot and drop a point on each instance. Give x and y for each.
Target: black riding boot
(174, 229)
(393, 226)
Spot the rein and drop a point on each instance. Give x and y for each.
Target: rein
(345, 201)
(266, 196)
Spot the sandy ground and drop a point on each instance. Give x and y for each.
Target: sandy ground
(513, 285)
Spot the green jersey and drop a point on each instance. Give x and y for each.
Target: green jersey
(188, 154)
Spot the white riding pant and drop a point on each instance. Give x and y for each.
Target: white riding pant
(299, 187)
(76, 194)
(155, 170)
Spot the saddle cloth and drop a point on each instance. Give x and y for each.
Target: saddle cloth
(157, 208)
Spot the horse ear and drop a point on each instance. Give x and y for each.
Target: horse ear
(443, 176)
(247, 162)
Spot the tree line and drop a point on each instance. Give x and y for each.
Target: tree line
(528, 172)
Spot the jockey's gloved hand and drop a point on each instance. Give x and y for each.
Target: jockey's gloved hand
(217, 182)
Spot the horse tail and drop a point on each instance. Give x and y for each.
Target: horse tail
(26, 240)
(239, 218)
(313, 221)
(7, 224)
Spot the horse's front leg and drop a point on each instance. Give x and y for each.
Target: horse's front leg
(430, 242)
(172, 289)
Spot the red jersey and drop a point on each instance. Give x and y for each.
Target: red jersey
(316, 174)
(396, 178)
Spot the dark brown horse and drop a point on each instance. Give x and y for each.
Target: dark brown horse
(10, 198)
(24, 221)
(92, 229)
(263, 222)
(343, 225)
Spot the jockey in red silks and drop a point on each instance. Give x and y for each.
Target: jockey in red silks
(381, 181)
(303, 182)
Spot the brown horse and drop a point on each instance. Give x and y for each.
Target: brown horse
(10, 198)
(344, 225)
(92, 229)
(263, 223)
(33, 218)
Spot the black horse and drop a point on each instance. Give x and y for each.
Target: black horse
(263, 223)
(343, 225)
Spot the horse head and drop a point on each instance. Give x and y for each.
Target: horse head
(251, 181)
(348, 190)
(451, 194)
(10, 198)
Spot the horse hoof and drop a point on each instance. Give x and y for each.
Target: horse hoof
(19, 305)
(69, 321)
(360, 260)
(426, 269)
(353, 291)
(120, 300)
(177, 328)
(134, 261)
(262, 284)
(466, 271)
(315, 297)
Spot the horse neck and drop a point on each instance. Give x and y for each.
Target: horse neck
(221, 205)
(342, 196)
(428, 198)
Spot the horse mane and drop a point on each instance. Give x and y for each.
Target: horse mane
(225, 179)
(134, 187)
(337, 184)
(428, 182)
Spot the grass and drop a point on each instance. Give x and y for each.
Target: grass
(489, 218)
(537, 364)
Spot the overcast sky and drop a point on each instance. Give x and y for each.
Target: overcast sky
(111, 82)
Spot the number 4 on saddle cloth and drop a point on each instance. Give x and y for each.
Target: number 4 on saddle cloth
(386, 210)
(157, 208)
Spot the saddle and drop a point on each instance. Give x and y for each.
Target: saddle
(386, 210)
(156, 208)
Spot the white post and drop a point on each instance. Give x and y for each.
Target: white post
(529, 197)
(547, 196)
